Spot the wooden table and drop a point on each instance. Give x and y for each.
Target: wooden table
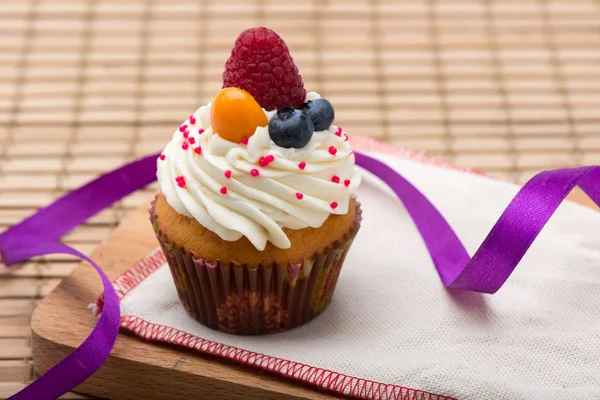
(509, 87)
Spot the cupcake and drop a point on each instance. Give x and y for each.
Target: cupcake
(255, 212)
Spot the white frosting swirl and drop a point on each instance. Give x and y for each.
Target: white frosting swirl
(258, 207)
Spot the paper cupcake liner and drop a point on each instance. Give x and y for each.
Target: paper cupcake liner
(251, 301)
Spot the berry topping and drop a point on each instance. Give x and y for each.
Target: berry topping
(185, 145)
(320, 112)
(291, 128)
(332, 150)
(301, 165)
(162, 157)
(335, 179)
(334, 205)
(223, 190)
(235, 115)
(198, 150)
(192, 120)
(299, 196)
(227, 174)
(254, 172)
(347, 182)
(192, 140)
(261, 64)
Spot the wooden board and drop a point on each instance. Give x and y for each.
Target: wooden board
(137, 369)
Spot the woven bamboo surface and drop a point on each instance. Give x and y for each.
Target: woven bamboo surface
(507, 87)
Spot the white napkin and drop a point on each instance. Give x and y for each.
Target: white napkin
(392, 322)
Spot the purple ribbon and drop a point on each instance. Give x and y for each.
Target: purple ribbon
(485, 272)
(509, 239)
(39, 234)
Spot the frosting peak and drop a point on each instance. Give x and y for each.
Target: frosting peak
(256, 188)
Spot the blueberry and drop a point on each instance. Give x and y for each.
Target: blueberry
(291, 128)
(321, 113)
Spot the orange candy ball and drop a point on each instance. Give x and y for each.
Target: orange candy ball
(235, 114)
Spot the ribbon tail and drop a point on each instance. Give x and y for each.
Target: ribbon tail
(37, 235)
(509, 239)
(82, 362)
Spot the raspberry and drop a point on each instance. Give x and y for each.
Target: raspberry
(261, 64)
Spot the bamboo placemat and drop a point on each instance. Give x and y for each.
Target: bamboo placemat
(507, 87)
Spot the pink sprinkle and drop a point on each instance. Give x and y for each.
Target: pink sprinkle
(227, 174)
(254, 172)
(192, 140)
(345, 137)
(301, 165)
(162, 157)
(223, 190)
(244, 140)
(192, 120)
(186, 134)
(334, 205)
(182, 128)
(335, 179)
(270, 158)
(200, 131)
(185, 145)
(347, 182)
(263, 162)
(299, 196)
(180, 181)
(198, 150)
(339, 131)
(332, 150)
